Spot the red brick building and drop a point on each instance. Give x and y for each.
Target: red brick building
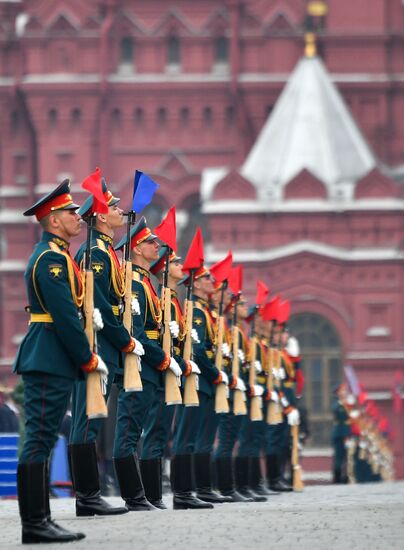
(178, 87)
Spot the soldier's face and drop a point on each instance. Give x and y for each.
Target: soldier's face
(150, 250)
(66, 222)
(175, 270)
(206, 284)
(242, 310)
(114, 218)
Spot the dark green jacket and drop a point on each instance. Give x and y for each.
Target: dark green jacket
(59, 347)
(203, 352)
(113, 337)
(154, 355)
(341, 427)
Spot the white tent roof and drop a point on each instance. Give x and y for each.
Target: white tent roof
(310, 127)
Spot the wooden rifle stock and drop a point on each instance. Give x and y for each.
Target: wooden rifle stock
(191, 398)
(255, 401)
(131, 373)
(221, 400)
(274, 415)
(298, 484)
(239, 405)
(95, 402)
(172, 390)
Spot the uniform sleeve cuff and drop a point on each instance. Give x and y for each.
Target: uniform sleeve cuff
(130, 347)
(188, 368)
(91, 365)
(165, 364)
(218, 380)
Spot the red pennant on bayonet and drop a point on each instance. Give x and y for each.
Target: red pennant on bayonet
(236, 279)
(221, 270)
(262, 293)
(283, 312)
(92, 183)
(195, 256)
(270, 311)
(167, 230)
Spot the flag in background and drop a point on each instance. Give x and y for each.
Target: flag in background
(220, 271)
(195, 256)
(143, 190)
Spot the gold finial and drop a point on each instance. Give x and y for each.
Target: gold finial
(316, 10)
(310, 49)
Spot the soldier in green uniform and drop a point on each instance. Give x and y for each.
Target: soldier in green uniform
(252, 433)
(134, 407)
(340, 433)
(53, 354)
(230, 424)
(112, 340)
(196, 427)
(158, 424)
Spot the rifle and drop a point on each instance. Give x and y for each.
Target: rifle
(191, 398)
(221, 395)
(239, 405)
(95, 402)
(172, 387)
(298, 484)
(131, 373)
(274, 414)
(256, 400)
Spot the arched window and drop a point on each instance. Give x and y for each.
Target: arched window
(52, 117)
(184, 116)
(116, 117)
(221, 50)
(161, 116)
(320, 348)
(230, 116)
(138, 116)
(75, 116)
(207, 116)
(173, 51)
(14, 121)
(127, 49)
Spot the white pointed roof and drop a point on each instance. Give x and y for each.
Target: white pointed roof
(310, 127)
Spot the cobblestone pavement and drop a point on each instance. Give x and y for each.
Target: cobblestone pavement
(350, 517)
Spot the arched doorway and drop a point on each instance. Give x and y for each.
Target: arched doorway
(320, 348)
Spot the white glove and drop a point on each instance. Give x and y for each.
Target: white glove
(103, 370)
(241, 355)
(258, 390)
(194, 336)
(98, 323)
(240, 385)
(195, 368)
(274, 397)
(350, 399)
(134, 306)
(138, 349)
(226, 349)
(225, 378)
(258, 366)
(175, 368)
(354, 414)
(174, 328)
(350, 443)
(284, 402)
(293, 417)
(279, 374)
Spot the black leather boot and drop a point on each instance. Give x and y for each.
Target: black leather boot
(255, 480)
(274, 476)
(225, 482)
(34, 507)
(79, 535)
(130, 484)
(151, 470)
(84, 470)
(241, 479)
(202, 471)
(181, 481)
